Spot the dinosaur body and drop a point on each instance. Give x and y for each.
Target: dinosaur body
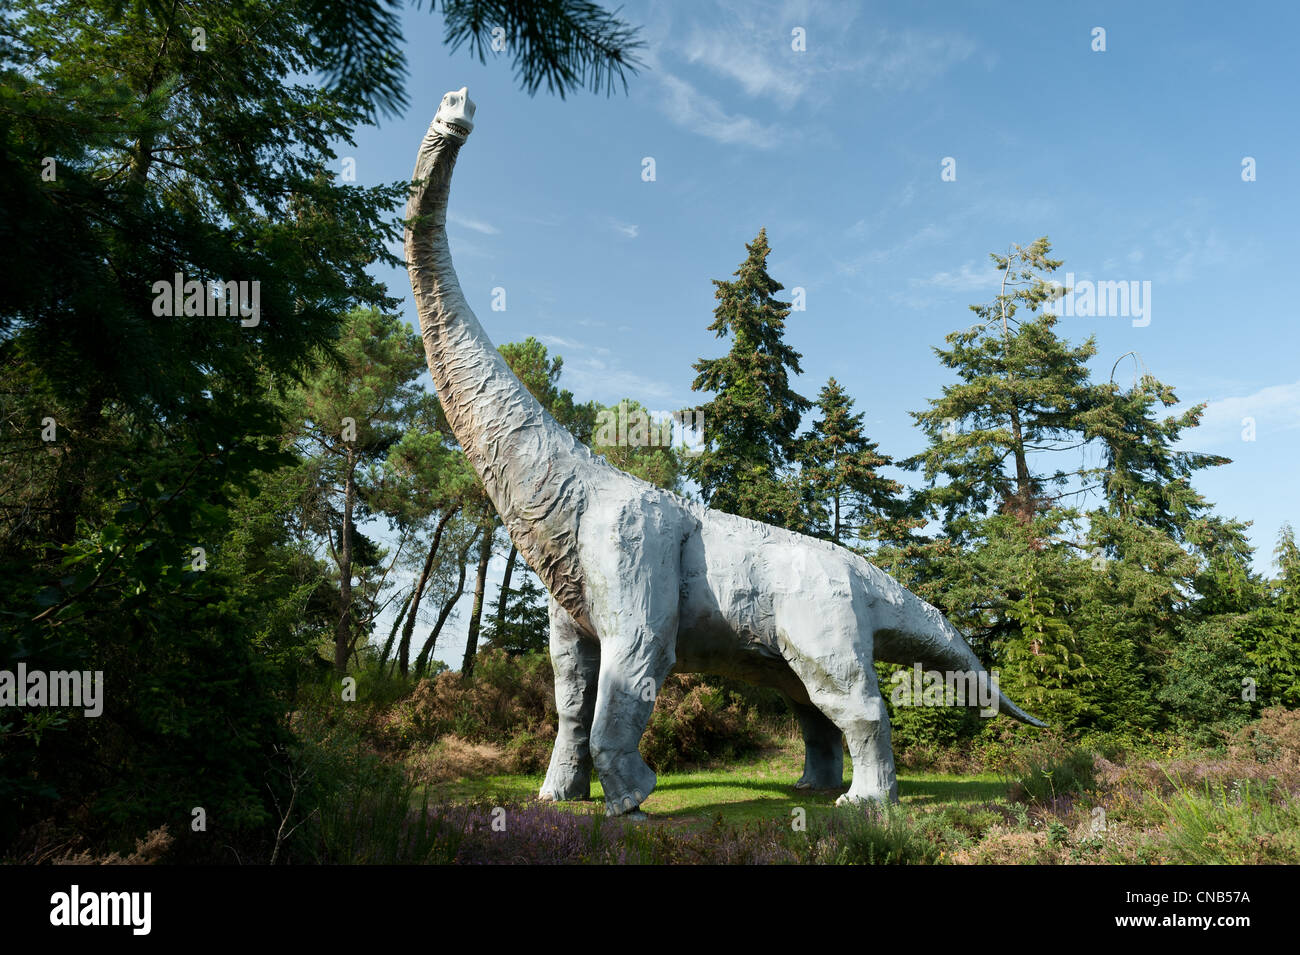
(642, 581)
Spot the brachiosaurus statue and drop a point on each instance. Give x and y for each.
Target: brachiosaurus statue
(643, 581)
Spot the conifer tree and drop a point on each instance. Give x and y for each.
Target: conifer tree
(351, 414)
(1275, 644)
(1004, 440)
(751, 424)
(848, 498)
(1021, 394)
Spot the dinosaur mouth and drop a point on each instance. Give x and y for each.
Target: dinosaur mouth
(457, 129)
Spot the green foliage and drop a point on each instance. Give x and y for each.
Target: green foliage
(1047, 772)
(1021, 387)
(1237, 825)
(1041, 666)
(694, 722)
(855, 836)
(525, 625)
(751, 423)
(135, 541)
(353, 807)
(847, 497)
(914, 728)
(1204, 684)
(628, 438)
(567, 44)
(349, 414)
(1274, 643)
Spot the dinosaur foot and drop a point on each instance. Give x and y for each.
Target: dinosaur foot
(627, 781)
(568, 779)
(863, 798)
(574, 792)
(628, 807)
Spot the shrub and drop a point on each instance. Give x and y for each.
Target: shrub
(694, 722)
(1273, 738)
(510, 703)
(1054, 771)
(1235, 825)
(869, 836)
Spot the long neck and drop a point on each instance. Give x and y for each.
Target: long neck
(529, 464)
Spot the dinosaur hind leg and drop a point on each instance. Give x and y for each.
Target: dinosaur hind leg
(576, 660)
(823, 758)
(834, 662)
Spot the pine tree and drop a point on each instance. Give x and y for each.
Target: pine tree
(1004, 441)
(629, 438)
(751, 423)
(350, 415)
(1023, 390)
(522, 625)
(848, 498)
(1164, 561)
(1275, 643)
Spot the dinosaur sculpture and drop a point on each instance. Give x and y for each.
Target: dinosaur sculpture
(642, 581)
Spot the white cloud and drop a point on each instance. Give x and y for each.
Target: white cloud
(908, 60)
(860, 229)
(627, 229)
(1274, 409)
(968, 278)
(593, 371)
(689, 108)
(760, 73)
(477, 225)
(752, 47)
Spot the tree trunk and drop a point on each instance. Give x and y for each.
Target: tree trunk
(404, 646)
(476, 616)
(422, 661)
(392, 633)
(505, 588)
(1024, 493)
(343, 631)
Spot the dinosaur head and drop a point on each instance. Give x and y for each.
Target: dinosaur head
(455, 118)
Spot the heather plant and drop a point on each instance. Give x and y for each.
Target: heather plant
(1232, 825)
(1053, 773)
(694, 722)
(869, 837)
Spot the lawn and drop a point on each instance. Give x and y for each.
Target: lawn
(755, 790)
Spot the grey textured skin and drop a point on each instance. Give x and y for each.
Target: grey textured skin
(644, 582)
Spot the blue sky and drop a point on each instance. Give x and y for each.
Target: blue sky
(1130, 160)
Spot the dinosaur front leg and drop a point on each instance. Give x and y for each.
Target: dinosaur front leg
(636, 597)
(576, 660)
(823, 758)
(633, 666)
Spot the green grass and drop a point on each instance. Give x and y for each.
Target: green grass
(756, 790)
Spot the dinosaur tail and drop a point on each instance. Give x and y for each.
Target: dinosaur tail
(911, 632)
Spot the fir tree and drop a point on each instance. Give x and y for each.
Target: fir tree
(520, 622)
(847, 496)
(1022, 391)
(1275, 642)
(751, 423)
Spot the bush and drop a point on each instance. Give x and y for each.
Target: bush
(1235, 825)
(1202, 688)
(694, 722)
(1054, 771)
(510, 703)
(352, 806)
(1273, 738)
(870, 836)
